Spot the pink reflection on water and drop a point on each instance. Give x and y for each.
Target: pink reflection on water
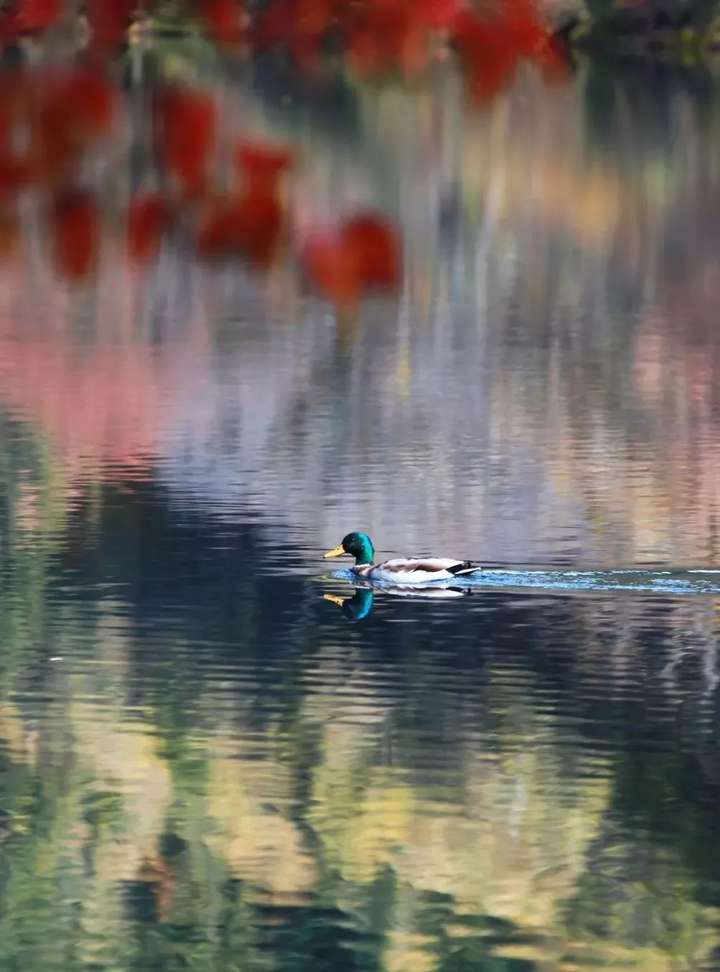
(99, 400)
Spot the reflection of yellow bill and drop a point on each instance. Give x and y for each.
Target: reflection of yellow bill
(334, 599)
(335, 552)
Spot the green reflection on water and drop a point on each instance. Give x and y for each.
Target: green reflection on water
(157, 812)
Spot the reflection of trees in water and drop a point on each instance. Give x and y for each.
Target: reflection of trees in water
(212, 777)
(610, 349)
(216, 767)
(578, 353)
(568, 294)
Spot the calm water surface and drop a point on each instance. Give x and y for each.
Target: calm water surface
(206, 764)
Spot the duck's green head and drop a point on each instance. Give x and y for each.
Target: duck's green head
(358, 545)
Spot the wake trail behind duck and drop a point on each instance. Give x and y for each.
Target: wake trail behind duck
(696, 581)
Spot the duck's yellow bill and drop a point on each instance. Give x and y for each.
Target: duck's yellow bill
(335, 552)
(334, 599)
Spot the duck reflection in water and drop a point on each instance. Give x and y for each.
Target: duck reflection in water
(360, 605)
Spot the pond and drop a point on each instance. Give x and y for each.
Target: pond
(209, 764)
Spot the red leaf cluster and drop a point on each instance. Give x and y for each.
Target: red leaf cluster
(28, 17)
(75, 231)
(187, 133)
(59, 116)
(361, 256)
(249, 226)
(260, 166)
(386, 35)
(492, 46)
(56, 116)
(109, 21)
(250, 221)
(380, 36)
(149, 215)
(225, 20)
(301, 26)
(377, 36)
(37, 15)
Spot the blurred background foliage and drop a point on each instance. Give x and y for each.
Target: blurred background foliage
(202, 769)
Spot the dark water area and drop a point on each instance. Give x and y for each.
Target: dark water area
(216, 752)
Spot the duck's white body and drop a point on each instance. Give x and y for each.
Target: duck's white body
(407, 571)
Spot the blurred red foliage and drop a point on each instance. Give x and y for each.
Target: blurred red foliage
(34, 15)
(249, 226)
(75, 233)
(28, 17)
(83, 101)
(15, 174)
(149, 215)
(261, 166)
(9, 231)
(225, 19)
(68, 111)
(361, 256)
(187, 131)
(109, 21)
(301, 26)
(51, 118)
(493, 45)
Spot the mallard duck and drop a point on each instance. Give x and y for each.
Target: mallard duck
(403, 570)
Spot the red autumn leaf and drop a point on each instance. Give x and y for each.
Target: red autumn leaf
(438, 14)
(109, 20)
(72, 109)
(365, 53)
(314, 17)
(523, 27)
(6, 124)
(250, 226)
(225, 19)
(16, 173)
(18, 96)
(148, 218)
(413, 54)
(272, 25)
(313, 21)
(188, 129)
(261, 165)
(299, 24)
(489, 75)
(75, 233)
(55, 147)
(472, 36)
(264, 215)
(221, 231)
(35, 15)
(492, 46)
(375, 248)
(363, 255)
(9, 232)
(9, 29)
(333, 270)
(386, 37)
(88, 99)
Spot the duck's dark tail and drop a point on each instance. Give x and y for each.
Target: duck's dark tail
(465, 568)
